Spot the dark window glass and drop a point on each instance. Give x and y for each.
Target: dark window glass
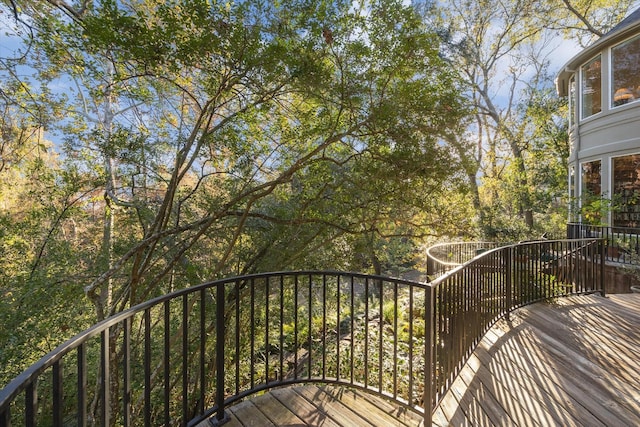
(591, 87)
(626, 191)
(591, 201)
(591, 182)
(572, 101)
(625, 87)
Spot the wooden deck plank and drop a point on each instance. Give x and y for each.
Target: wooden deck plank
(439, 419)
(572, 362)
(275, 412)
(248, 415)
(467, 408)
(310, 413)
(400, 413)
(374, 413)
(606, 343)
(516, 402)
(522, 373)
(584, 386)
(629, 301)
(326, 402)
(584, 404)
(607, 322)
(616, 394)
(589, 354)
(531, 372)
(450, 411)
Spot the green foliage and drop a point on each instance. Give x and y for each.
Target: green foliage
(595, 208)
(200, 140)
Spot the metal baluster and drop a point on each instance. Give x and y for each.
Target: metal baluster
(147, 367)
(428, 356)
(366, 332)
(81, 419)
(352, 320)
(411, 319)
(253, 331)
(310, 302)
(31, 404)
(220, 349)
(203, 343)
(58, 393)
(281, 350)
(167, 361)
(380, 290)
(395, 340)
(237, 321)
(105, 373)
(295, 326)
(185, 357)
(338, 324)
(324, 326)
(267, 293)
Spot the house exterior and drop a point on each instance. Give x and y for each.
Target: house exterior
(602, 83)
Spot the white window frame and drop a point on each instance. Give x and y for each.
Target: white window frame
(581, 88)
(611, 75)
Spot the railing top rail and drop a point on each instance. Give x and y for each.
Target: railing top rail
(432, 250)
(20, 382)
(582, 224)
(482, 242)
(487, 253)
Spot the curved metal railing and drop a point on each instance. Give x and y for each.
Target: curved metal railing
(444, 257)
(186, 356)
(471, 298)
(622, 244)
(183, 357)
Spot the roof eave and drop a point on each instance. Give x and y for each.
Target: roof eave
(562, 78)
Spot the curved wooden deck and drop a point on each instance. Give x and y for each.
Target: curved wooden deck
(573, 362)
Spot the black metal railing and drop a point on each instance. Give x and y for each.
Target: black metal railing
(444, 257)
(622, 244)
(470, 299)
(184, 357)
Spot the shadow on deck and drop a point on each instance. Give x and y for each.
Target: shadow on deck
(571, 362)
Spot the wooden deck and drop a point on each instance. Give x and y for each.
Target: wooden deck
(574, 362)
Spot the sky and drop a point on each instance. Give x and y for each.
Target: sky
(560, 50)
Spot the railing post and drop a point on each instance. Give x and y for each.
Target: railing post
(31, 403)
(508, 259)
(220, 336)
(5, 418)
(105, 372)
(57, 394)
(602, 260)
(430, 323)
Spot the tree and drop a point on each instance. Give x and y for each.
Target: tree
(38, 218)
(201, 140)
(583, 20)
(503, 51)
(192, 124)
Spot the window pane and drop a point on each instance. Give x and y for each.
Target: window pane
(572, 102)
(591, 178)
(591, 202)
(591, 87)
(626, 190)
(626, 80)
(572, 194)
